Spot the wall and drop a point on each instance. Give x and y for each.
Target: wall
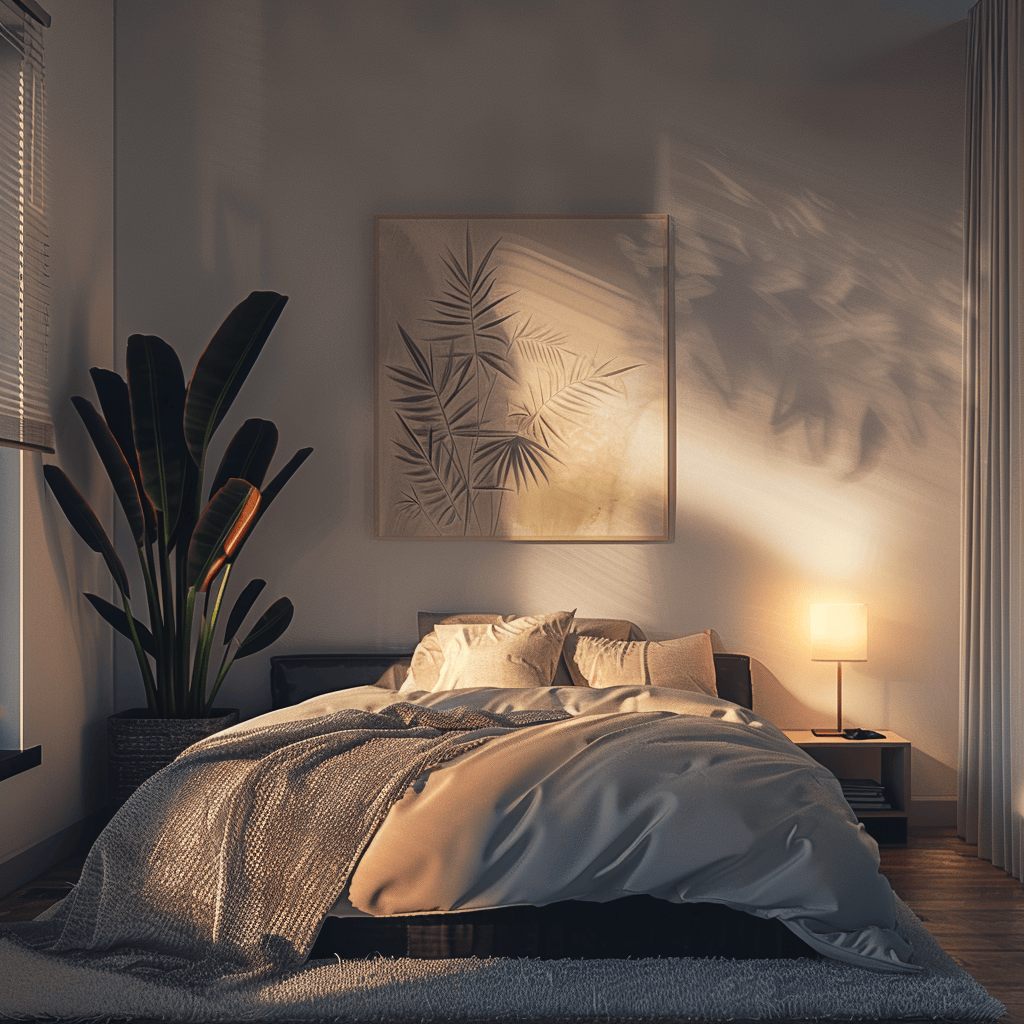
(68, 668)
(810, 156)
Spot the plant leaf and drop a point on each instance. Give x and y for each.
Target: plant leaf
(156, 386)
(85, 523)
(271, 624)
(117, 618)
(243, 605)
(271, 491)
(115, 404)
(248, 455)
(116, 466)
(224, 366)
(221, 527)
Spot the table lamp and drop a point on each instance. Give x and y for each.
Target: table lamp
(839, 632)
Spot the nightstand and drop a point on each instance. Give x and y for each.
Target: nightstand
(892, 755)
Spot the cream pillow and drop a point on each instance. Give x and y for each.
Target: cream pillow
(521, 653)
(610, 629)
(684, 664)
(427, 657)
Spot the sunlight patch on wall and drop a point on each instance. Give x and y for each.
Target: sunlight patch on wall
(816, 524)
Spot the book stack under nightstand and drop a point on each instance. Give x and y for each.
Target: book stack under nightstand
(884, 819)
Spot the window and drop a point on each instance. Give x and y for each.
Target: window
(24, 409)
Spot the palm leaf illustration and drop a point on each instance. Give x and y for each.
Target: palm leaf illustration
(566, 397)
(410, 506)
(501, 455)
(433, 467)
(538, 344)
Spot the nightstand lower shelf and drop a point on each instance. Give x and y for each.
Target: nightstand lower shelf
(887, 828)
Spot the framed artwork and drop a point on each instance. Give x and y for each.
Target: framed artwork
(523, 378)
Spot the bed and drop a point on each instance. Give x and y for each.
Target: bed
(628, 925)
(519, 785)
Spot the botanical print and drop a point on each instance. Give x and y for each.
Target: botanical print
(522, 378)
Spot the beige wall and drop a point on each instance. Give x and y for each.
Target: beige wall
(810, 155)
(68, 656)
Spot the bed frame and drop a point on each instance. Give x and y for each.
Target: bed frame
(297, 677)
(637, 926)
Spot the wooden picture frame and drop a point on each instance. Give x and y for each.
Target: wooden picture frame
(523, 378)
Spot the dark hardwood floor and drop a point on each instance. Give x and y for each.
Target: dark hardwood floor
(974, 910)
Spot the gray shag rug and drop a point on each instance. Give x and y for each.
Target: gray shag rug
(34, 986)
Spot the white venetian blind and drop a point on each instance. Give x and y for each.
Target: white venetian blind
(24, 260)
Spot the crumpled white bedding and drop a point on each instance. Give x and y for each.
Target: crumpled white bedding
(643, 790)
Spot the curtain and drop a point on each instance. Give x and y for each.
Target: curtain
(991, 778)
(24, 261)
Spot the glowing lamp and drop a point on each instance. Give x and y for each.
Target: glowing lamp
(839, 632)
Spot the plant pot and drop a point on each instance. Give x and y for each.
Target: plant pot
(139, 745)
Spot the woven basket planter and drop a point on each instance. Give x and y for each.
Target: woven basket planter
(138, 745)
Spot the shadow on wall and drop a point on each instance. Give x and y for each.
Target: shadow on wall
(818, 320)
(825, 312)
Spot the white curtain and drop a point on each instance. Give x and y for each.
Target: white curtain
(991, 784)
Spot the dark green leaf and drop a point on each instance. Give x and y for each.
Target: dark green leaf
(225, 364)
(85, 523)
(272, 623)
(116, 466)
(246, 599)
(156, 385)
(221, 527)
(117, 618)
(249, 454)
(271, 491)
(112, 392)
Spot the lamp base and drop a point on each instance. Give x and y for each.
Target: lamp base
(827, 732)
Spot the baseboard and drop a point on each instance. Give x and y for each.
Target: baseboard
(31, 863)
(932, 814)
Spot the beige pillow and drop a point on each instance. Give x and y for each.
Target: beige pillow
(610, 629)
(521, 653)
(683, 664)
(427, 658)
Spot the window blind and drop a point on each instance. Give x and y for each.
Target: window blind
(24, 258)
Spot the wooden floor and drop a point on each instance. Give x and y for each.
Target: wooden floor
(974, 910)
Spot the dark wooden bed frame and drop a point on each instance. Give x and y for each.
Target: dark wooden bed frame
(636, 926)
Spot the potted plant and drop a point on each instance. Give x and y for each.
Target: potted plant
(153, 434)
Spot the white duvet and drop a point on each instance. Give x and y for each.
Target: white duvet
(642, 790)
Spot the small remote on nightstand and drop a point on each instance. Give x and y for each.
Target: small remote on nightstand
(862, 734)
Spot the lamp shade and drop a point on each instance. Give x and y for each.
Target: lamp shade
(839, 632)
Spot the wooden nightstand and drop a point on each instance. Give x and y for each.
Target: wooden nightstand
(888, 828)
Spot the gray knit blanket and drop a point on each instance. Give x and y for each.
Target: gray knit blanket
(221, 868)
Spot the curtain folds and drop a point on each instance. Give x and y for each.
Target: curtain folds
(991, 779)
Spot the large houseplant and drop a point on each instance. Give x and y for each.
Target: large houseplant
(153, 434)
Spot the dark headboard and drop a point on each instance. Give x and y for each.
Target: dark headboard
(297, 677)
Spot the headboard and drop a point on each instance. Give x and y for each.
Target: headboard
(297, 677)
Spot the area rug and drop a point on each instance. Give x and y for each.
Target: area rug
(36, 986)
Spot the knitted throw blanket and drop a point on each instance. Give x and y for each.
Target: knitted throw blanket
(222, 867)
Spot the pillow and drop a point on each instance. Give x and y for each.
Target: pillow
(521, 653)
(610, 629)
(683, 664)
(426, 659)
